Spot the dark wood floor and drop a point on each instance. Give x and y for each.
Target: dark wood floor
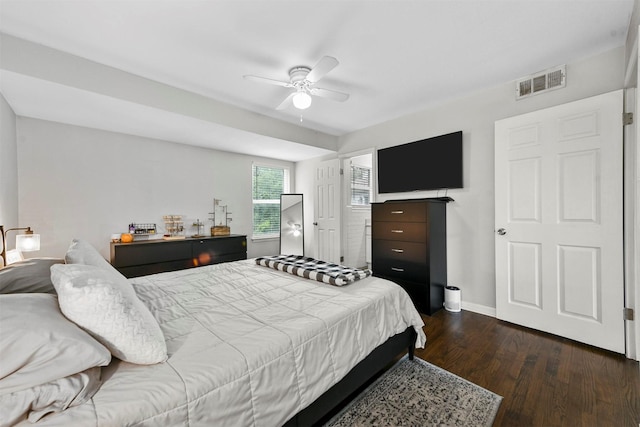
(544, 380)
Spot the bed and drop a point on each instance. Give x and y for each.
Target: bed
(227, 344)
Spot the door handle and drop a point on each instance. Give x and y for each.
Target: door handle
(315, 223)
(501, 231)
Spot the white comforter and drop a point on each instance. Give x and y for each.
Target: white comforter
(247, 345)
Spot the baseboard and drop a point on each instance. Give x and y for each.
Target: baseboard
(478, 308)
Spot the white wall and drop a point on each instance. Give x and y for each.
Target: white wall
(470, 219)
(355, 245)
(633, 190)
(635, 290)
(355, 217)
(77, 182)
(8, 170)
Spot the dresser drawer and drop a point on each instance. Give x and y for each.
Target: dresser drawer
(219, 246)
(401, 231)
(143, 270)
(400, 251)
(403, 212)
(156, 256)
(401, 270)
(151, 253)
(213, 251)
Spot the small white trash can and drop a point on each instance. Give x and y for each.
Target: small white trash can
(452, 299)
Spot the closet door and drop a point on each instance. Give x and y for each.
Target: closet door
(559, 213)
(326, 220)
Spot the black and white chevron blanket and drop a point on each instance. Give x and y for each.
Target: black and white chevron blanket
(310, 268)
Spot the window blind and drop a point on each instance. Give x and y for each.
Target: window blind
(360, 185)
(268, 182)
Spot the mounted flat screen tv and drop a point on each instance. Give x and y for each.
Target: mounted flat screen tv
(429, 164)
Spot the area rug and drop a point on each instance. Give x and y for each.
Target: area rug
(417, 393)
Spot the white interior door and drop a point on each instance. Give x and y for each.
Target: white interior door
(559, 213)
(327, 211)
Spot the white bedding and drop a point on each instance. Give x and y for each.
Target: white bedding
(247, 345)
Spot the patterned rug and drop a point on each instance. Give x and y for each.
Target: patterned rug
(417, 393)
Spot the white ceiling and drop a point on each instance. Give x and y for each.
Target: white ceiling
(396, 57)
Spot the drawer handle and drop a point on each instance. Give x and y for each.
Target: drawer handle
(397, 231)
(398, 250)
(401, 270)
(397, 212)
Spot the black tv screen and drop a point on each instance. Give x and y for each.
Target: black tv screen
(429, 164)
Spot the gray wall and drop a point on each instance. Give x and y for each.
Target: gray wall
(470, 227)
(8, 169)
(77, 182)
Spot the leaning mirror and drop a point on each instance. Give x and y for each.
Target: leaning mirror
(291, 225)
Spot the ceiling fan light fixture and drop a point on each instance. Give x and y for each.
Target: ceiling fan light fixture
(301, 100)
(302, 80)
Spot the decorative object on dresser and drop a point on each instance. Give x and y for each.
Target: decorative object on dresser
(220, 230)
(173, 226)
(142, 231)
(409, 247)
(157, 256)
(26, 242)
(220, 218)
(199, 227)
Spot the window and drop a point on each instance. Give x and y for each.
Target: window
(360, 185)
(268, 182)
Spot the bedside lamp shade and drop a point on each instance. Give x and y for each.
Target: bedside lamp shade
(28, 242)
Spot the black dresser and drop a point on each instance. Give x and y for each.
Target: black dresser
(409, 247)
(157, 256)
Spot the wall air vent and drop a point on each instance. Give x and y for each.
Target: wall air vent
(543, 81)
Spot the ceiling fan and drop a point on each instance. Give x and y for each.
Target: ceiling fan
(303, 80)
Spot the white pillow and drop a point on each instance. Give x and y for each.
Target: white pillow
(109, 309)
(28, 277)
(38, 344)
(81, 252)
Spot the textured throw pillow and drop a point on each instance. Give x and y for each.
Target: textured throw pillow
(38, 344)
(29, 276)
(81, 252)
(109, 309)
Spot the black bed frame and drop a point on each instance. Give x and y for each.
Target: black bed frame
(364, 371)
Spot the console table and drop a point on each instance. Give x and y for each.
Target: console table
(157, 256)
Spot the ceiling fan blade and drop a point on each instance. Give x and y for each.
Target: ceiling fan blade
(326, 64)
(330, 94)
(288, 101)
(269, 81)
